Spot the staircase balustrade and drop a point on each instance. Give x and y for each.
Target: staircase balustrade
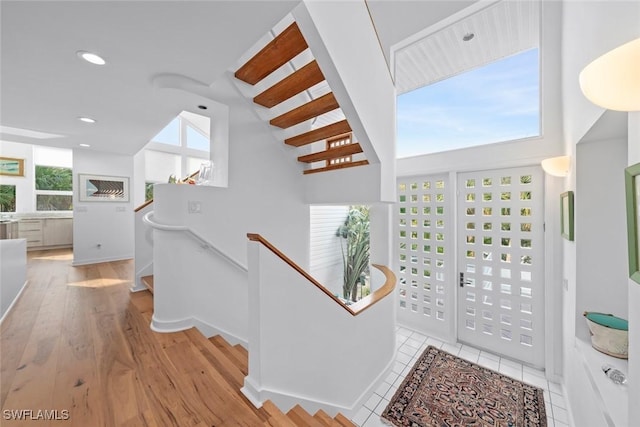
(305, 346)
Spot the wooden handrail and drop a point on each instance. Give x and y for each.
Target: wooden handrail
(144, 205)
(148, 202)
(353, 309)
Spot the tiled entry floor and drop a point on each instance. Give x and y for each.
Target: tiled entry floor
(411, 345)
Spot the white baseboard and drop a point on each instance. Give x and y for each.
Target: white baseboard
(208, 330)
(76, 263)
(24, 285)
(285, 400)
(137, 288)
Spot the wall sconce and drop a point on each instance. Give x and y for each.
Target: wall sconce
(612, 81)
(557, 166)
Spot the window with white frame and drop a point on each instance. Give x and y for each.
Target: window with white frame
(53, 184)
(178, 149)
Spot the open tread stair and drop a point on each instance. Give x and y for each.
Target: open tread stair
(286, 46)
(282, 49)
(337, 166)
(319, 134)
(332, 153)
(307, 111)
(295, 83)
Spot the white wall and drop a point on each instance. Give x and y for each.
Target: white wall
(265, 195)
(590, 29)
(107, 224)
(634, 289)
(305, 348)
(325, 253)
(600, 226)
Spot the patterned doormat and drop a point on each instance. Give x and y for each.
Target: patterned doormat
(444, 390)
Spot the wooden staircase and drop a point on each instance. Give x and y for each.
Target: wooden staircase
(214, 371)
(283, 49)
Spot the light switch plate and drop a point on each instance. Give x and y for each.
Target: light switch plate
(194, 207)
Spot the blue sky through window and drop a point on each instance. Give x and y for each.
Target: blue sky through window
(170, 134)
(494, 103)
(197, 140)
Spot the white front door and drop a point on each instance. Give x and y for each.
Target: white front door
(501, 262)
(425, 237)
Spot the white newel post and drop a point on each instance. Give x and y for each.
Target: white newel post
(252, 382)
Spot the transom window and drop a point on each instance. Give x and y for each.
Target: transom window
(494, 103)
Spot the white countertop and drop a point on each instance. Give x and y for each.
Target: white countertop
(37, 215)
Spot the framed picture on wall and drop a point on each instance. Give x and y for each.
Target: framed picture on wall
(632, 190)
(566, 215)
(11, 167)
(100, 188)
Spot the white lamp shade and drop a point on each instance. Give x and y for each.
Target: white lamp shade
(612, 81)
(557, 166)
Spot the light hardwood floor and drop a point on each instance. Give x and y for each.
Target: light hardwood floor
(78, 341)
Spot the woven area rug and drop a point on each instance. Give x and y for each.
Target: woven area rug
(445, 390)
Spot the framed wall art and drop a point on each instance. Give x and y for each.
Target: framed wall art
(11, 167)
(566, 215)
(632, 191)
(100, 188)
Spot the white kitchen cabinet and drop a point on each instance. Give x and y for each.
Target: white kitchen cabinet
(58, 232)
(46, 232)
(31, 230)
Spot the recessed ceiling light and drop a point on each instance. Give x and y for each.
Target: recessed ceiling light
(85, 145)
(86, 119)
(91, 57)
(468, 37)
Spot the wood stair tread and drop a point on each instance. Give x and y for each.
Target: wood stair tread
(301, 418)
(332, 153)
(284, 47)
(243, 351)
(319, 134)
(307, 111)
(324, 418)
(337, 166)
(343, 421)
(277, 418)
(239, 360)
(148, 282)
(293, 84)
(219, 360)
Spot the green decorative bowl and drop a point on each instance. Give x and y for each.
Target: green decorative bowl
(609, 334)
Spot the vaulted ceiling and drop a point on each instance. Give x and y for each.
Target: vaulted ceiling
(45, 87)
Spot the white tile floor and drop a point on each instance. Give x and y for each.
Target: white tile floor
(410, 346)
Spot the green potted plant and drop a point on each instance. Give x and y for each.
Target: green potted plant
(355, 254)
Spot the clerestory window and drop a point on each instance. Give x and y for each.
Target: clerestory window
(494, 103)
